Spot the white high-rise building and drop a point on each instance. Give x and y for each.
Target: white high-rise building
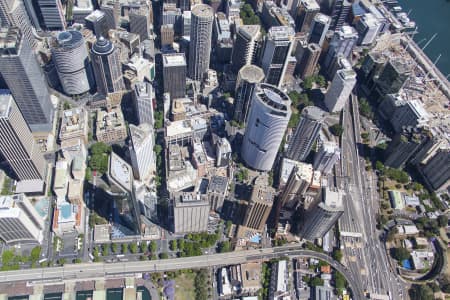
(202, 17)
(143, 94)
(19, 220)
(277, 48)
(340, 89)
(141, 151)
(319, 28)
(328, 155)
(368, 28)
(267, 121)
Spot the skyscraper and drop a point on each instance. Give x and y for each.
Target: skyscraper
(319, 28)
(307, 65)
(368, 28)
(106, 65)
(200, 43)
(342, 43)
(141, 19)
(17, 145)
(14, 14)
(246, 45)
(174, 74)
(277, 48)
(260, 204)
(393, 76)
(248, 77)
(97, 22)
(340, 89)
(25, 79)
(51, 14)
(141, 151)
(341, 9)
(70, 55)
(297, 185)
(19, 221)
(267, 121)
(319, 220)
(143, 96)
(305, 134)
(305, 15)
(328, 155)
(436, 171)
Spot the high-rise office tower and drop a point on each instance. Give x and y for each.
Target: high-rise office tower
(98, 23)
(260, 204)
(277, 48)
(305, 15)
(190, 213)
(51, 14)
(167, 35)
(328, 155)
(106, 65)
(186, 28)
(25, 79)
(14, 14)
(267, 120)
(307, 65)
(305, 134)
(341, 44)
(341, 9)
(141, 19)
(319, 220)
(17, 145)
(319, 28)
(246, 45)
(184, 5)
(143, 96)
(298, 183)
(19, 221)
(141, 151)
(248, 77)
(340, 89)
(174, 74)
(393, 76)
(436, 171)
(368, 28)
(112, 13)
(70, 55)
(200, 44)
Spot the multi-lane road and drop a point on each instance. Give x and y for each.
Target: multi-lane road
(92, 271)
(365, 254)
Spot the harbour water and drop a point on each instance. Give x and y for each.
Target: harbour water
(432, 16)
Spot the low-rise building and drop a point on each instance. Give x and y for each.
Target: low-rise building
(68, 218)
(397, 201)
(422, 259)
(279, 281)
(74, 126)
(110, 125)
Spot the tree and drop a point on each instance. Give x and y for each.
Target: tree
(77, 261)
(200, 283)
(153, 247)
(159, 119)
(133, 247)
(105, 250)
(99, 157)
(157, 149)
(340, 281)
(181, 245)
(400, 253)
(66, 105)
(308, 83)
(173, 245)
(114, 247)
(143, 247)
(224, 246)
(35, 254)
(379, 166)
(337, 129)
(320, 80)
(442, 221)
(163, 255)
(88, 175)
(124, 248)
(61, 261)
(364, 108)
(421, 292)
(316, 281)
(337, 255)
(293, 121)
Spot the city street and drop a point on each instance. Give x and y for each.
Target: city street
(364, 253)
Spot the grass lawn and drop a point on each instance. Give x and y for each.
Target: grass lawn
(184, 287)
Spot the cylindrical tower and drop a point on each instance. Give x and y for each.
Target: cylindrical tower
(267, 121)
(200, 45)
(70, 56)
(106, 66)
(248, 77)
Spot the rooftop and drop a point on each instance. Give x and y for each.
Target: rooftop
(203, 10)
(314, 113)
(249, 31)
(281, 33)
(120, 171)
(140, 133)
(334, 198)
(251, 73)
(322, 18)
(311, 4)
(218, 184)
(5, 103)
(174, 59)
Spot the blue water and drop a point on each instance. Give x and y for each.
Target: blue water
(407, 264)
(432, 16)
(256, 239)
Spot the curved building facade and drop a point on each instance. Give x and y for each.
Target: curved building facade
(267, 121)
(248, 77)
(202, 17)
(70, 55)
(106, 66)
